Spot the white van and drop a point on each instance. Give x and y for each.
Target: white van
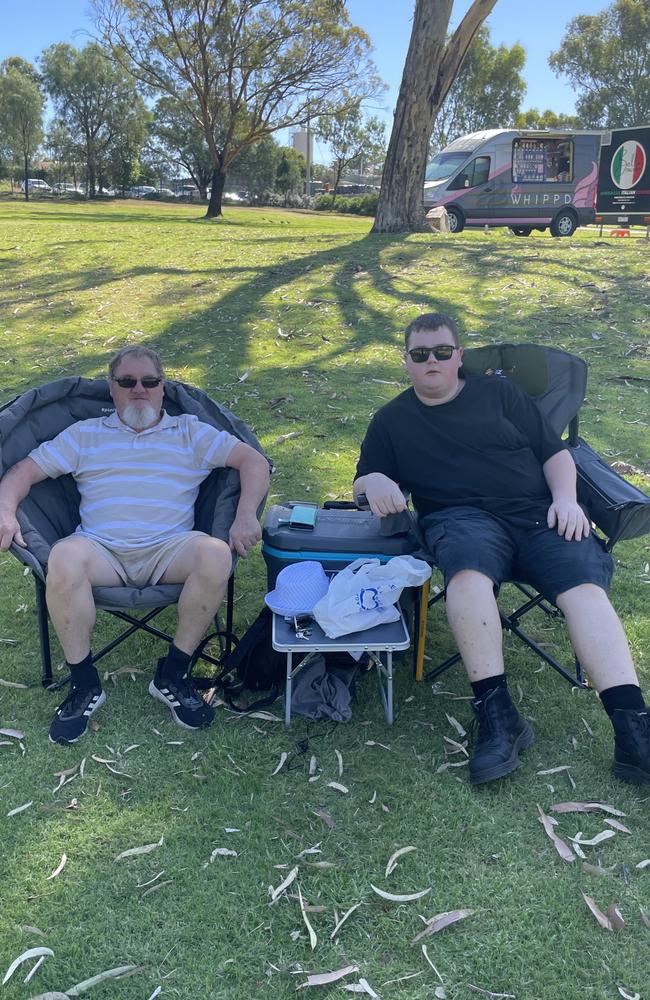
(524, 179)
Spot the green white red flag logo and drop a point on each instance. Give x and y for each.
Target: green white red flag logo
(628, 164)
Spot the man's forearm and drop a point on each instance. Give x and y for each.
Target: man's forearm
(254, 483)
(560, 474)
(17, 483)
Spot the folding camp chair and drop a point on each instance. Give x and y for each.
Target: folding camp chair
(557, 382)
(51, 510)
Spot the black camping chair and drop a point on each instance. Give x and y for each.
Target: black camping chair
(51, 510)
(557, 381)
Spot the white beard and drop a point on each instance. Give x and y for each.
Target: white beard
(139, 417)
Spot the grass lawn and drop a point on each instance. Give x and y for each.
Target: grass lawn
(295, 321)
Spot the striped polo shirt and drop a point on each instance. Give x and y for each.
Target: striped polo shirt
(137, 488)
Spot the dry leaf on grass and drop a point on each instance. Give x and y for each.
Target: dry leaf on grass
(339, 761)
(338, 787)
(448, 764)
(597, 869)
(220, 852)
(363, 986)
(456, 724)
(313, 940)
(400, 897)
(16, 733)
(602, 919)
(440, 921)
(325, 816)
(59, 868)
(555, 770)
(566, 807)
(560, 845)
(283, 759)
(489, 993)
(156, 993)
(345, 916)
(645, 919)
(592, 841)
(12, 684)
(615, 917)
(135, 851)
(19, 809)
(28, 929)
(310, 850)
(25, 957)
(287, 437)
(50, 996)
(392, 862)
(121, 972)
(618, 826)
(628, 994)
(276, 893)
(643, 864)
(325, 978)
(155, 888)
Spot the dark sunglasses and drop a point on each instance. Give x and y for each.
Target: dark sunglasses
(442, 352)
(148, 382)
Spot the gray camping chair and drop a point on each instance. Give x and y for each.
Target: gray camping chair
(557, 382)
(51, 510)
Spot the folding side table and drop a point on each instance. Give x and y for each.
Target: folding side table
(374, 641)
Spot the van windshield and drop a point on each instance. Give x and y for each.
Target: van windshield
(443, 165)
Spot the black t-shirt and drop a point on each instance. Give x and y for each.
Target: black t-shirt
(485, 448)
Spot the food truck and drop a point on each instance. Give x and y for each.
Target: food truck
(624, 177)
(521, 178)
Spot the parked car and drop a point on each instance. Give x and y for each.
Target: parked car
(62, 188)
(36, 185)
(140, 191)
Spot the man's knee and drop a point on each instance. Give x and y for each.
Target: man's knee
(583, 596)
(212, 558)
(473, 579)
(67, 564)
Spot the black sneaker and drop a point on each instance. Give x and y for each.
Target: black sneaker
(502, 733)
(71, 717)
(181, 698)
(632, 746)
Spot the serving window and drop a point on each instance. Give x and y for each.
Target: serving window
(535, 161)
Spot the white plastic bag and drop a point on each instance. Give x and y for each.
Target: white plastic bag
(365, 593)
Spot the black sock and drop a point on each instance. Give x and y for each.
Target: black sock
(176, 662)
(481, 688)
(83, 674)
(622, 696)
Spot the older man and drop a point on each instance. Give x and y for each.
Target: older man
(138, 472)
(495, 490)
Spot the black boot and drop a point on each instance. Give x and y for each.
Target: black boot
(502, 733)
(631, 745)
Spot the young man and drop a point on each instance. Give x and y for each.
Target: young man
(495, 491)
(138, 472)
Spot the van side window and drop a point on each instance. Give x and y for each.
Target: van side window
(476, 172)
(535, 161)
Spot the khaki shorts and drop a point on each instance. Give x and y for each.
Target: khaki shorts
(145, 565)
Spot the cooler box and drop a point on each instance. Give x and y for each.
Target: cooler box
(337, 539)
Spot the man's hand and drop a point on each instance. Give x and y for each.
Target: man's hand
(245, 533)
(10, 531)
(384, 496)
(569, 518)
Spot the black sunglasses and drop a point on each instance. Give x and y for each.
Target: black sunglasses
(442, 352)
(148, 382)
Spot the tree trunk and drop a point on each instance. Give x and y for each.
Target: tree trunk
(26, 177)
(429, 71)
(216, 195)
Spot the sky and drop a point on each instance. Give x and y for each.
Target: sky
(539, 27)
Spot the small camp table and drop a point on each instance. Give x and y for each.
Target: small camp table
(386, 638)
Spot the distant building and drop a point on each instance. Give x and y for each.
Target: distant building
(299, 142)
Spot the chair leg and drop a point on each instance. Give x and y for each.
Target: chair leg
(43, 632)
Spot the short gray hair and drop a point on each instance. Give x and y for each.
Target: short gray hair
(135, 351)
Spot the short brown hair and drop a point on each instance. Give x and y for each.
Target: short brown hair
(428, 323)
(135, 351)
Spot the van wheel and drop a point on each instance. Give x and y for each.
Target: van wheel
(564, 224)
(521, 230)
(456, 220)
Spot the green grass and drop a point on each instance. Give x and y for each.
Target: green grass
(312, 308)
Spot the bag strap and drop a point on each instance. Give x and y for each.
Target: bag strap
(230, 689)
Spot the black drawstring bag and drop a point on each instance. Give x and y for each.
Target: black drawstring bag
(253, 664)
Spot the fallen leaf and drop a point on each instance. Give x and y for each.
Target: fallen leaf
(645, 919)
(50, 996)
(155, 888)
(12, 684)
(456, 724)
(489, 993)
(627, 995)
(135, 851)
(324, 978)
(283, 759)
(400, 898)
(615, 917)
(440, 921)
(339, 760)
(287, 437)
(313, 940)
(618, 826)
(363, 986)
(392, 861)
(643, 864)
(156, 993)
(345, 916)
(325, 816)
(560, 845)
(556, 770)
(593, 841)
(222, 852)
(16, 733)
(119, 973)
(19, 809)
(603, 920)
(59, 868)
(244, 375)
(25, 957)
(276, 893)
(28, 929)
(565, 807)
